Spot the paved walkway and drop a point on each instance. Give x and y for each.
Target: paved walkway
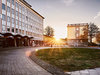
(16, 62)
(95, 71)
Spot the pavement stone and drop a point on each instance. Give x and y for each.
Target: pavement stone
(16, 62)
(93, 72)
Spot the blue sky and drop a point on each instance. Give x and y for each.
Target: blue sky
(59, 13)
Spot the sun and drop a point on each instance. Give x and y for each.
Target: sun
(57, 38)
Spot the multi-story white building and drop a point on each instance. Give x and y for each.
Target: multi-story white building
(18, 18)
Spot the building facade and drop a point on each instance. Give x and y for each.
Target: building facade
(18, 19)
(77, 34)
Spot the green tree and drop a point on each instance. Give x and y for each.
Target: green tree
(93, 29)
(49, 31)
(85, 33)
(98, 37)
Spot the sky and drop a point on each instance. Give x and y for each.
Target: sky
(59, 13)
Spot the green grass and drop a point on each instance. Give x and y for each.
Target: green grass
(71, 59)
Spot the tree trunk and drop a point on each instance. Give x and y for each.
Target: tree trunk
(90, 39)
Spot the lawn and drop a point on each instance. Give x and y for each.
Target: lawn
(71, 59)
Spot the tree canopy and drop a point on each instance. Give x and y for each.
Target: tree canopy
(98, 37)
(93, 30)
(49, 31)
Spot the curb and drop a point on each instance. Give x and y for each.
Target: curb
(48, 67)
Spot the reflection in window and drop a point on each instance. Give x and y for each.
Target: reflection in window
(12, 11)
(3, 17)
(8, 1)
(13, 2)
(13, 20)
(8, 19)
(3, 27)
(3, 6)
(8, 9)
(16, 4)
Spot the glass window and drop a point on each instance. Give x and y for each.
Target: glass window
(23, 16)
(8, 19)
(13, 20)
(16, 4)
(12, 25)
(27, 18)
(12, 29)
(13, 2)
(16, 13)
(3, 28)
(8, 29)
(16, 22)
(20, 23)
(3, 17)
(20, 7)
(12, 11)
(8, 9)
(19, 14)
(3, 6)
(8, 1)
(23, 9)
(16, 30)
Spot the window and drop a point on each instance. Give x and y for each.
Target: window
(8, 29)
(12, 11)
(3, 6)
(19, 14)
(16, 30)
(8, 19)
(23, 9)
(20, 7)
(16, 22)
(3, 28)
(27, 18)
(20, 23)
(8, 9)
(13, 20)
(23, 17)
(8, 1)
(16, 13)
(16, 4)
(19, 30)
(13, 2)
(3, 17)
(12, 29)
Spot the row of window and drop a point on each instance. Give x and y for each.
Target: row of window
(12, 2)
(9, 19)
(23, 9)
(23, 16)
(20, 31)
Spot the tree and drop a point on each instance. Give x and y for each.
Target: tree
(98, 37)
(49, 31)
(93, 29)
(85, 33)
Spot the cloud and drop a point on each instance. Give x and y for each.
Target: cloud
(98, 15)
(68, 2)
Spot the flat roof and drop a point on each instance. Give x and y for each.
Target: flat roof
(29, 6)
(78, 24)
